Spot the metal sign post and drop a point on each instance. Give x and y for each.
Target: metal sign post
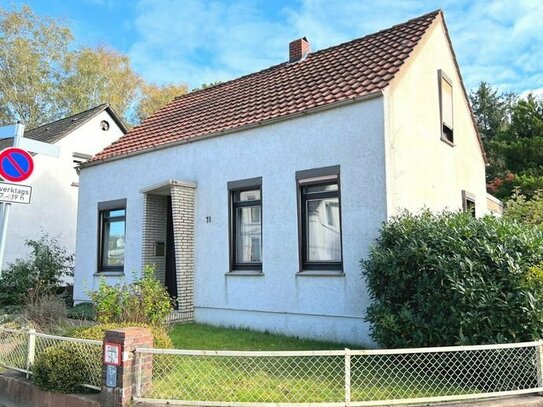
(19, 132)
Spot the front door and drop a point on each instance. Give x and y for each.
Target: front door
(171, 275)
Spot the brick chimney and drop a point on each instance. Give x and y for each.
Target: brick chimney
(298, 49)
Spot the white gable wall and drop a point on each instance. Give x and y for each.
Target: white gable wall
(53, 207)
(422, 170)
(279, 301)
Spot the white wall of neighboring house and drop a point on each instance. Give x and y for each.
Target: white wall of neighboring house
(422, 170)
(53, 208)
(280, 300)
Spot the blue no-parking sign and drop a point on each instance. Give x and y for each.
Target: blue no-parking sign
(16, 164)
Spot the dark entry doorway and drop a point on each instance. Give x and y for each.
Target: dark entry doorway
(171, 275)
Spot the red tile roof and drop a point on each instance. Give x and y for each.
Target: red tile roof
(354, 69)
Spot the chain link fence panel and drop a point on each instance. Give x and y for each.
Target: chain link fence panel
(14, 349)
(355, 377)
(19, 349)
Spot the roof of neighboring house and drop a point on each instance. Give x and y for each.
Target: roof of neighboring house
(346, 72)
(55, 131)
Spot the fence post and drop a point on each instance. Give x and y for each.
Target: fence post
(139, 370)
(31, 352)
(347, 377)
(539, 362)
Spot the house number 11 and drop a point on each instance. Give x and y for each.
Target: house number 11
(208, 219)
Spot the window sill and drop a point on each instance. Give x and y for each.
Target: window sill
(255, 273)
(320, 273)
(447, 141)
(109, 274)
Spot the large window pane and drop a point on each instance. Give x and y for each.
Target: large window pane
(113, 243)
(447, 103)
(112, 239)
(248, 234)
(323, 230)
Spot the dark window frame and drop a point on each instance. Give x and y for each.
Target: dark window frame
(235, 187)
(318, 176)
(447, 133)
(103, 208)
(467, 199)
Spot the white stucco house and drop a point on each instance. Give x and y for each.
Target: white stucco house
(257, 198)
(55, 180)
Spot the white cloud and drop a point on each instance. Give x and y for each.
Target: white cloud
(202, 41)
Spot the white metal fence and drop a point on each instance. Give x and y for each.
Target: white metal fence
(334, 378)
(19, 348)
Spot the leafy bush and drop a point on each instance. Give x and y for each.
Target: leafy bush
(144, 301)
(42, 271)
(59, 368)
(452, 279)
(84, 311)
(108, 302)
(161, 339)
(525, 210)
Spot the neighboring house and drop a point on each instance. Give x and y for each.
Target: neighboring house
(257, 198)
(55, 180)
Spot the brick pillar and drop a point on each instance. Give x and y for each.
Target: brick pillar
(183, 211)
(125, 388)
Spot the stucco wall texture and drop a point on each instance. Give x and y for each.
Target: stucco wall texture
(280, 300)
(422, 170)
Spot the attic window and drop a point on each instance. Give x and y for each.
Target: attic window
(104, 125)
(446, 107)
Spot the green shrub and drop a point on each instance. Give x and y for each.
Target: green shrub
(526, 210)
(84, 311)
(144, 301)
(59, 368)
(43, 271)
(161, 338)
(108, 302)
(452, 279)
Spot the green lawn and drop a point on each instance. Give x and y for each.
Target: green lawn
(204, 337)
(291, 379)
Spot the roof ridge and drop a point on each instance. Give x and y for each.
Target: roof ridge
(320, 51)
(102, 106)
(380, 32)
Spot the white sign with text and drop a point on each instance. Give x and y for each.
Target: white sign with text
(15, 193)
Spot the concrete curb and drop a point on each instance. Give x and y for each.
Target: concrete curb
(16, 389)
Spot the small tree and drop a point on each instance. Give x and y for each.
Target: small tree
(452, 279)
(43, 271)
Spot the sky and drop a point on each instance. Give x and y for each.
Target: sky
(201, 41)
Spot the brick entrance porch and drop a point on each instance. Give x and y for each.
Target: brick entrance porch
(168, 240)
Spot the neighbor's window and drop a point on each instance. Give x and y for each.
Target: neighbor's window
(320, 221)
(246, 225)
(468, 203)
(112, 237)
(446, 107)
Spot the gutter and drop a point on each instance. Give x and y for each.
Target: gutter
(245, 127)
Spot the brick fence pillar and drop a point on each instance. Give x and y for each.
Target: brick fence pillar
(125, 386)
